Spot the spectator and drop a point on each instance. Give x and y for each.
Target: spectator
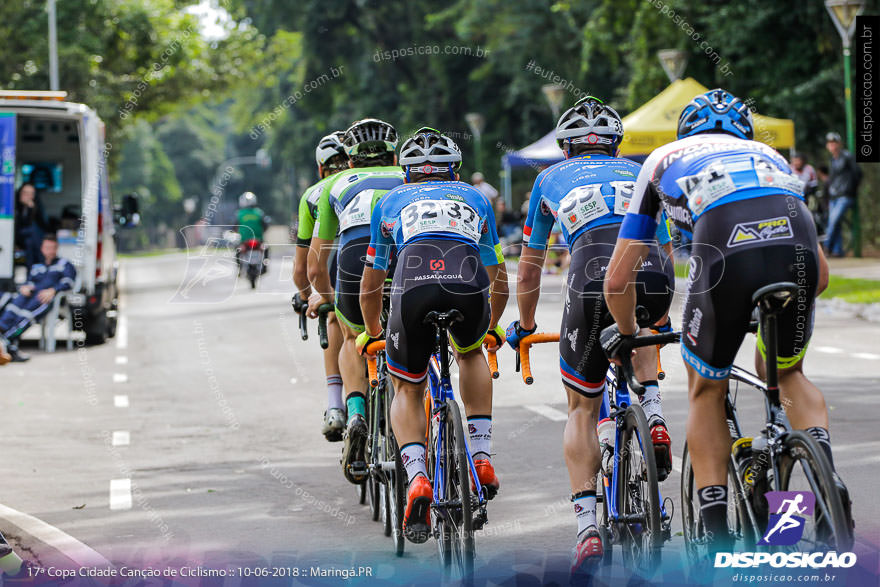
(508, 221)
(45, 280)
(817, 205)
(843, 184)
(30, 223)
(481, 184)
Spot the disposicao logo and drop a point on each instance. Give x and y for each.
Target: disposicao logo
(786, 528)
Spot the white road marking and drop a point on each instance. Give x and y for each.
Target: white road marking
(120, 494)
(120, 401)
(548, 412)
(69, 546)
(869, 356)
(120, 438)
(293, 380)
(120, 378)
(831, 350)
(122, 332)
(677, 463)
(122, 360)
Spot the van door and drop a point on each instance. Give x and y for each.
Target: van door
(7, 195)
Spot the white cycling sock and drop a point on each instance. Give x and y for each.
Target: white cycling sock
(413, 457)
(480, 432)
(585, 510)
(651, 402)
(334, 393)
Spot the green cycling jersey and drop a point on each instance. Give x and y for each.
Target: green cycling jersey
(308, 211)
(340, 209)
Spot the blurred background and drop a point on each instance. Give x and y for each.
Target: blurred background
(233, 94)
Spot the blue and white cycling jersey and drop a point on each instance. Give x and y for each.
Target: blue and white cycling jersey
(450, 210)
(690, 176)
(581, 193)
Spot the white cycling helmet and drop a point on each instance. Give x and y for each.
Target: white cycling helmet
(369, 138)
(429, 151)
(590, 121)
(247, 200)
(330, 146)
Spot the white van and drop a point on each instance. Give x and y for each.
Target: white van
(60, 147)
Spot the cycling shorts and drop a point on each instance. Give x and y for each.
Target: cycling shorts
(737, 249)
(582, 361)
(434, 275)
(351, 258)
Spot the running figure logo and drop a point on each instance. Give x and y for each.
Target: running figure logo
(786, 526)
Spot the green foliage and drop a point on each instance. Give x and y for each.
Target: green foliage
(144, 168)
(857, 291)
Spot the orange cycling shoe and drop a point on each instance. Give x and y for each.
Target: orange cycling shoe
(587, 551)
(417, 518)
(662, 450)
(487, 477)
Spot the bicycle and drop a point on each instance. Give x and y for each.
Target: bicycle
(300, 306)
(768, 462)
(387, 477)
(633, 513)
(457, 510)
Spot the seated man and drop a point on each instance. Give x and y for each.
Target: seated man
(45, 280)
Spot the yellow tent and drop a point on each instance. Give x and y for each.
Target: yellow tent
(656, 121)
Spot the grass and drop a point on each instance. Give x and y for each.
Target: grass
(853, 290)
(849, 289)
(151, 253)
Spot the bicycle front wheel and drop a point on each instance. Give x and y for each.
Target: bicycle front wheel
(803, 466)
(638, 494)
(455, 518)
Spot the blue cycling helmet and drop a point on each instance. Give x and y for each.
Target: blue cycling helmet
(716, 111)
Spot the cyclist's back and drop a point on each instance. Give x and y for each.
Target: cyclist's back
(743, 207)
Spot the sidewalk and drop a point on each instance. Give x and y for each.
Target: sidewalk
(864, 268)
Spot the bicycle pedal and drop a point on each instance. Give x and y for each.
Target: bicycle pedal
(358, 468)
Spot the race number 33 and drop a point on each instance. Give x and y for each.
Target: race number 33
(440, 216)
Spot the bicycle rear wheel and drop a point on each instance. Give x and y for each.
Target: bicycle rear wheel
(638, 494)
(395, 487)
(738, 518)
(455, 520)
(606, 533)
(803, 466)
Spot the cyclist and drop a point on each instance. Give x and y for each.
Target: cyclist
(750, 228)
(331, 159)
(443, 231)
(250, 219)
(587, 195)
(344, 205)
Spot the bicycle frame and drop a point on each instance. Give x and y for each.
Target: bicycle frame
(440, 386)
(614, 405)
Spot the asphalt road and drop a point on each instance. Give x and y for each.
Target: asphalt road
(195, 435)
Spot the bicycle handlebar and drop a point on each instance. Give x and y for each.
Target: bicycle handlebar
(371, 350)
(323, 310)
(638, 342)
(523, 354)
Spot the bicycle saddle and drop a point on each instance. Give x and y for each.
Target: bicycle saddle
(773, 298)
(443, 319)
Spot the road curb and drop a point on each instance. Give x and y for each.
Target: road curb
(46, 542)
